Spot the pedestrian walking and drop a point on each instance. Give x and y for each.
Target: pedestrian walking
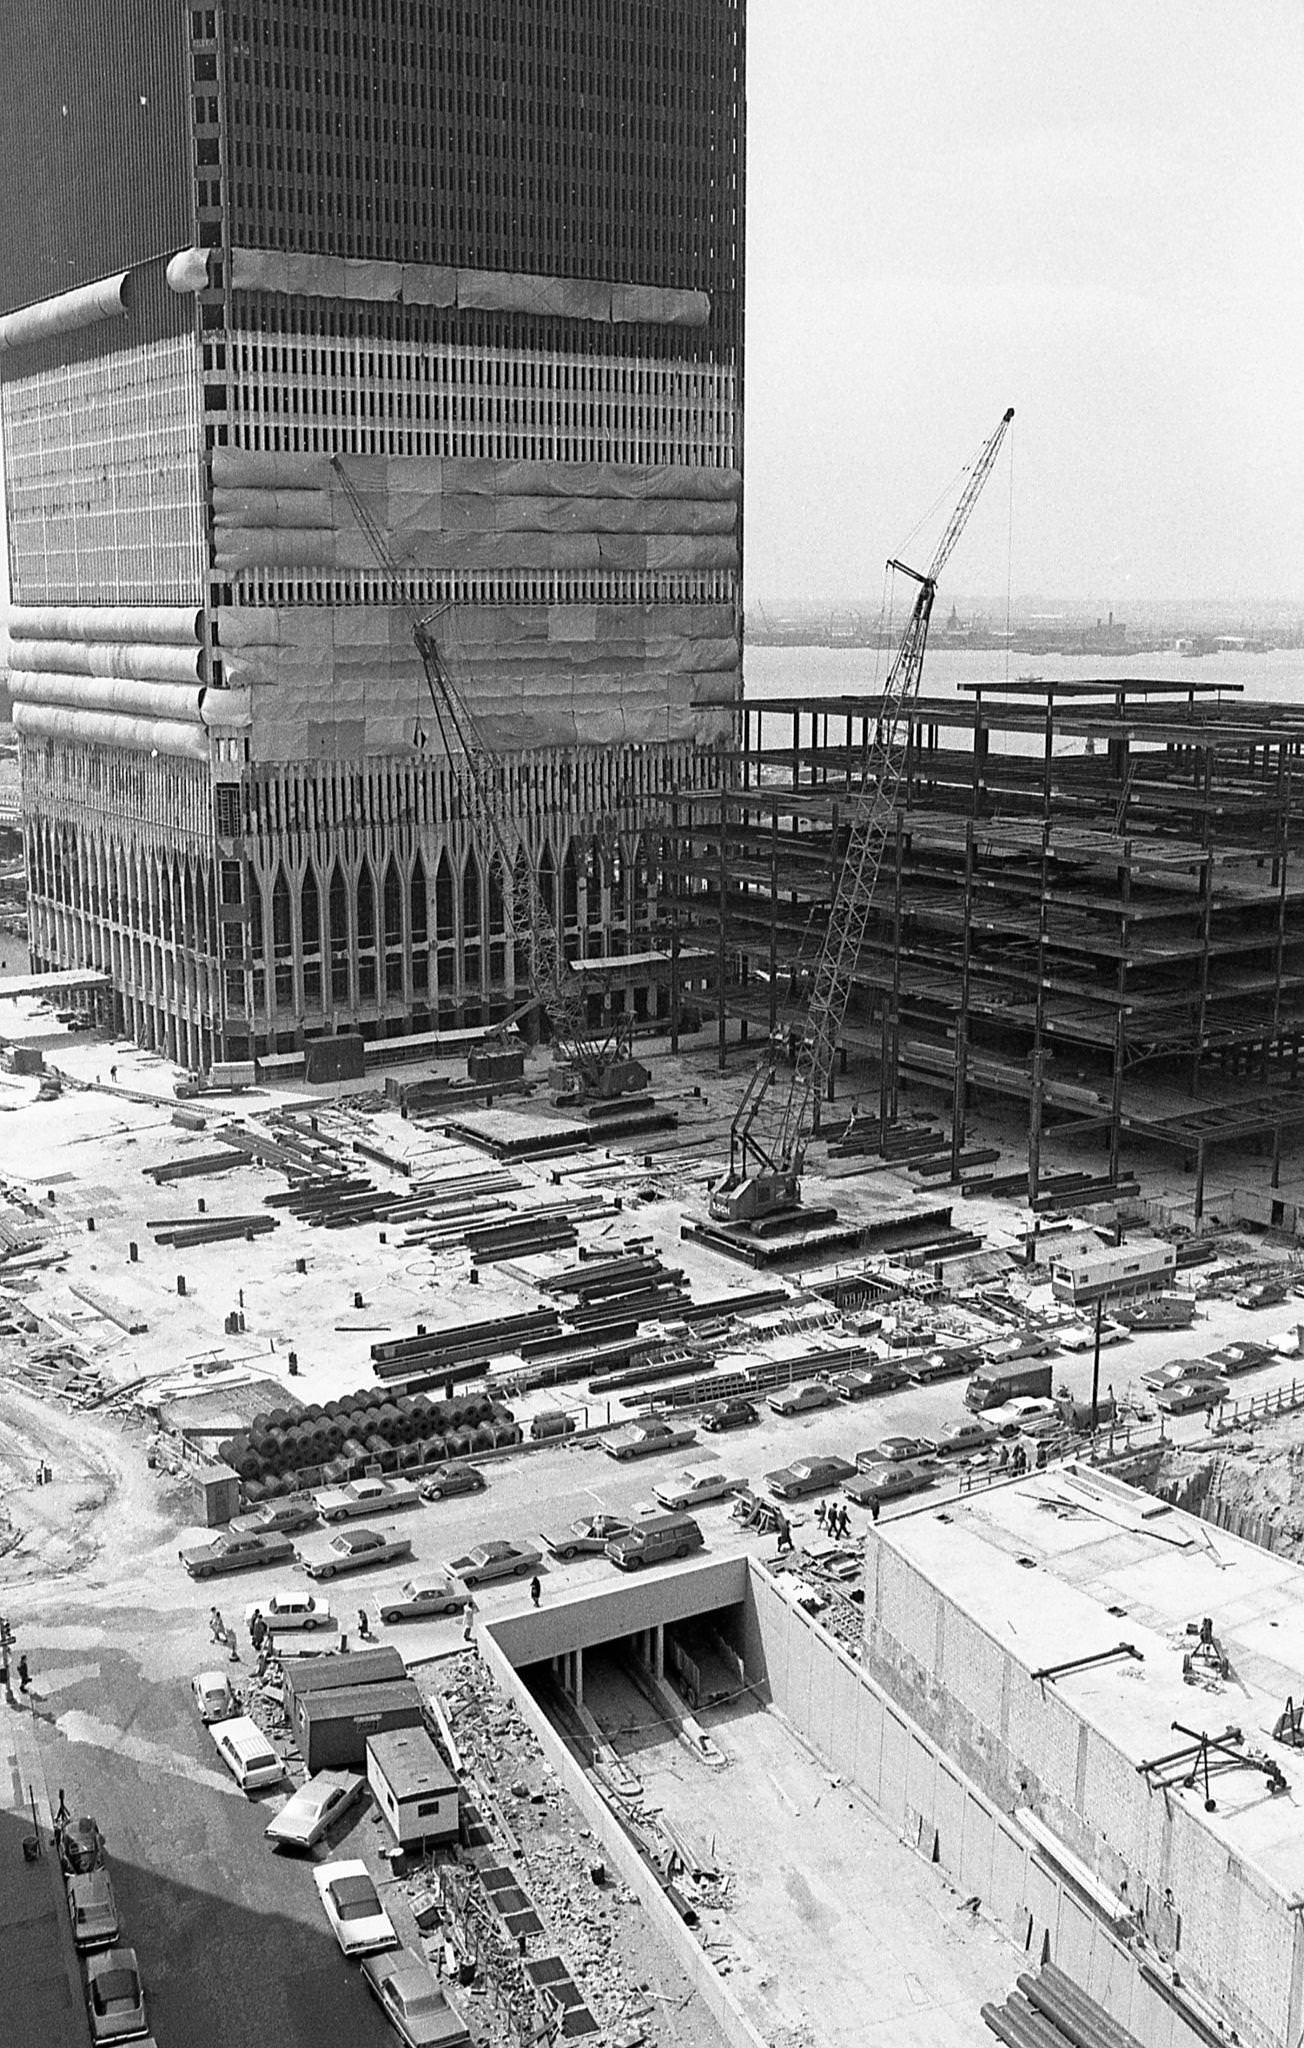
(24, 1675)
(784, 1534)
(216, 1625)
(838, 1518)
(536, 1590)
(364, 1626)
(820, 1512)
(873, 1508)
(233, 1647)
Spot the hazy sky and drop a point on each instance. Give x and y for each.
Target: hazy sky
(1093, 212)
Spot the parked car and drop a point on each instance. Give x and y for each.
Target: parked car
(286, 1608)
(92, 1910)
(494, 1561)
(948, 1362)
(1159, 1376)
(891, 1450)
(1024, 1411)
(799, 1400)
(437, 1594)
(1185, 1395)
(958, 1439)
(352, 1905)
(413, 2003)
(232, 1552)
(356, 1550)
(1025, 1344)
(213, 1696)
(695, 1486)
(278, 1517)
(886, 1481)
(1262, 1294)
(115, 1996)
(1082, 1336)
(866, 1382)
(450, 1479)
(734, 1413)
(587, 1535)
(370, 1496)
(808, 1475)
(1242, 1356)
(81, 1845)
(310, 1812)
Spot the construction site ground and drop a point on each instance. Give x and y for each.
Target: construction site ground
(114, 1630)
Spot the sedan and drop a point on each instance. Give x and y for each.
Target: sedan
(1027, 1344)
(808, 1475)
(1160, 1376)
(420, 1597)
(412, 2002)
(798, 1400)
(1263, 1294)
(887, 1481)
(975, 1433)
(213, 1696)
(494, 1561)
(81, 1845)
(1243, 1356)
(286, 1609)
(587, 1535)
(734, 1414)
(359, 1922)
(115, 1995)
(863, 1383)
(894, 1450)
(92, 1910)
(951, 1362)
(1082, 1336)
(1024, 1412)
(278, 1517)
(448, 1479)
(1189, 1394)
(308, 1813)
(693, 1489)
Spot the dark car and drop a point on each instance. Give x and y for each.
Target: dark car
(808, 1475)
(1185, 1395)
(948, 1362)
(81, 1845)
(278, 1517)
(236, 1553)
(1242, 1356)
(887, 1481)
(732, 1414)
(864, 1382)
(448, 1479)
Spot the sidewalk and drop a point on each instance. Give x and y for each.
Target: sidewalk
(41, 1995)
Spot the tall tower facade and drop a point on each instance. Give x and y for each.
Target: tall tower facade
(488, 258)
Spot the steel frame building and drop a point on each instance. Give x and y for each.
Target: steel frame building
(1093, 907)
(488, 257)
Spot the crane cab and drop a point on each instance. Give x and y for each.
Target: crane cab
(752, 1197)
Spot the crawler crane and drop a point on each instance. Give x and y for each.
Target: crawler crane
(769, 1134)
(600, 1064)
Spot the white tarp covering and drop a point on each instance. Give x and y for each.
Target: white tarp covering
(109, 729)
(173, 625)
(125, 676)
(429, 284)
(109, 693)
(84, 307)
(106, 658)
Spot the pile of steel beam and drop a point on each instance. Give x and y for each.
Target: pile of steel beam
(210, 1229)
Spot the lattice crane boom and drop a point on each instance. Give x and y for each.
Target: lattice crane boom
(601, 1062)
(769, 1133)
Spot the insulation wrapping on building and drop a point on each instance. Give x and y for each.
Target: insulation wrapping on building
(116, 675)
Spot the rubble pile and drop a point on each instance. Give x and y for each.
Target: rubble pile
(831, 1589)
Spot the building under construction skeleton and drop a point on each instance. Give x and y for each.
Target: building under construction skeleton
(489, 259)
(1092, 907)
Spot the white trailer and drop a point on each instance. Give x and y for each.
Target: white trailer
(1114, 1270)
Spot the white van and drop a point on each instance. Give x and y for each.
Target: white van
(247, 1753)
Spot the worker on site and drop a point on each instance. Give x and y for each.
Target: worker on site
(536, 1590)
(364, 1626)
(784, 1536)
(820, 1512)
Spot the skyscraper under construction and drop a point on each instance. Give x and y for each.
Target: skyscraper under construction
(486, 255)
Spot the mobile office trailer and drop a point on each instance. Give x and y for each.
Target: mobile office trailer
(1136, 1268)
(332, 1728)
(414, 1788)
(992, 1384)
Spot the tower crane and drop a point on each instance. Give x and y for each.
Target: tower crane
(601, 1065)
(769, 1133)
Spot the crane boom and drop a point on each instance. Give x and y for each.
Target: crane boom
(601, 1063)
(769, 1133)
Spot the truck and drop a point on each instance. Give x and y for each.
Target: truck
(352, 1550)
(224, 1077)
(365, 1496)
(649, 1433)
(993, 1384)
(236, 1551)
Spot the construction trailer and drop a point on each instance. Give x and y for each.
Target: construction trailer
(1091, 911)
(413, 1786)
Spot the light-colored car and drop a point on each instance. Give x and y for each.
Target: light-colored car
(351, 1903)
(284, 1517)
(887, 1481)
(288, 1608)
(115, 1996)
(313, 1810)
(365, 1497)
(694, 1486)
(1158, 1376)
(437, 1594)
(494, 1561)
(356, 1550)
(808, 1475)
(413, 2002)
(958, 1439)
(236, 1553)
(1023, 1411)
(895, 1450)
(799, 1400)
(92, 1910)
(1082, 1336)
(587, 1535)
(213, 1696)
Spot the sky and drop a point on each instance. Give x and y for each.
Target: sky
(1093, 212)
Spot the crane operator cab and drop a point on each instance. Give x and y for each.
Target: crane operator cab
(752, 1197)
